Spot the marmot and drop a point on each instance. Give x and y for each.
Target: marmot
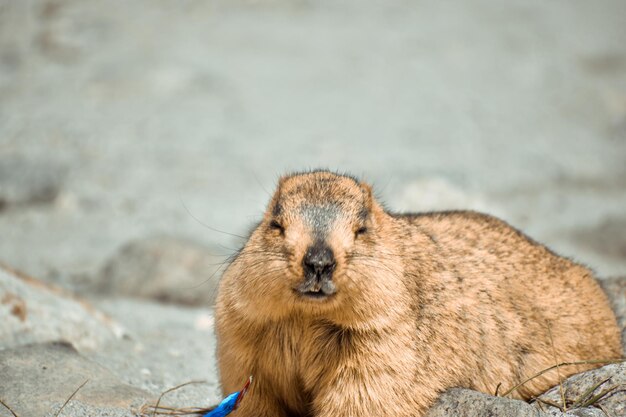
(342, 309)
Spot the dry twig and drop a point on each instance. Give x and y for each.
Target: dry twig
(587, 393)
(8, 408)
(156, 407)
(603, 394)
(538, 374)
(70, 398)
(604, 410)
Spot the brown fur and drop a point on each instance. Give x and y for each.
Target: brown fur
(424, 302)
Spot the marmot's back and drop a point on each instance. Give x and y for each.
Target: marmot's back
(535, 307)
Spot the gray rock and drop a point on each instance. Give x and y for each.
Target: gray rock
(578, 385)
(616, 290)
(163, 345)
(168, 345)
(163, 268)
(579, 412)
(38, 379)
(25, 181)
(460, 402)
(607, 238)
(33, 312)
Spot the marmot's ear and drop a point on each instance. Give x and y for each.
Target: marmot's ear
(367, 190)
(281, 181)
(371, 202)
(273, 207)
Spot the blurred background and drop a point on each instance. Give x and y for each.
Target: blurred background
(132, 131)
(122, 120)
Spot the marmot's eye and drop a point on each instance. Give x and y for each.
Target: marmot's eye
(274, 225)
(360, 231)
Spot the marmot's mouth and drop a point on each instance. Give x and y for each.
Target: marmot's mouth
(316, 289)
(317, 295)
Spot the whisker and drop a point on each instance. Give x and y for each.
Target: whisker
(207, 226)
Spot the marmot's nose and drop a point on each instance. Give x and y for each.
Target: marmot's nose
(319, 261)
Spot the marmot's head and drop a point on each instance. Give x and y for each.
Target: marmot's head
(324, 247)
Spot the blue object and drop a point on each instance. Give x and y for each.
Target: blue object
(230, 403)
(225, 407)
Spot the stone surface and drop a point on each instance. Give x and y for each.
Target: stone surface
(459, 402)
(467, 403)
(577, 386)
(38, 379)
(167, 345)
(33, 312)
(163, 346)
(163, 268)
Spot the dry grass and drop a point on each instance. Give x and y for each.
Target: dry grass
(8, 408)
(586, 399)
(159, 410)
(70, 398)
(559, 365)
